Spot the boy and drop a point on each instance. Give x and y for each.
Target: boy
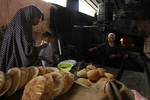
(46, 54)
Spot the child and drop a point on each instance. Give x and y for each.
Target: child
(46, 54)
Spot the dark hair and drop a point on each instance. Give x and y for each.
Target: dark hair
(47, 34)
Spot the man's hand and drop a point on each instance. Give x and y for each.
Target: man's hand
(92, 49)
(115, 56)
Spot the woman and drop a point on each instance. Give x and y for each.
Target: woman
(18, 46)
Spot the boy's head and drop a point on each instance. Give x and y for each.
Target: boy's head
(48, 36)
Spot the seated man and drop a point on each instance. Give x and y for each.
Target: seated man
(109, 52)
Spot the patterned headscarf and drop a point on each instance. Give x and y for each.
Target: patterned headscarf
(17, 48)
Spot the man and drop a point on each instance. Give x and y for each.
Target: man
(109, 52)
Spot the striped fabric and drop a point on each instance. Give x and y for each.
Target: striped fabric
(17, 47)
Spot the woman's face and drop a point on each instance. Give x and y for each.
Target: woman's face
(36, 21)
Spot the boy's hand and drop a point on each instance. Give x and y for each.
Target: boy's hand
(43, 44)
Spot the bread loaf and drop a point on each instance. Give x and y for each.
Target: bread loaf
(90, 67)
(84, 82)
(93, 75)
(82, 73)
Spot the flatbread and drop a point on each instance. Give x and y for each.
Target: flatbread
(45, 70)
(33, 72)
(24, 77)
(15, 74)
(2, 79)
(68, 81)
(109, 75)
(58, 80)
(6, 86)
(25, 80)
(84, 82)
(52, 69)
(49, 86)
(50, 80)
(37, 89)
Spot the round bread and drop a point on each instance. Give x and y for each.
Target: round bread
(82, 73)
(90, 67)
(37, 89)
(58, 80)
(15, 74)
(68, 81)
(50, 80)
(109, 75)
(51, 69)
(101, 71)
(93, 75)
(45, 70)
(2, 79)
(33, 72)
(48, 88)
(24, 78)
(6, 86)
(34, 88)
(84, 82)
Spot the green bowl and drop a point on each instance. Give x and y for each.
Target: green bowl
(66, 65)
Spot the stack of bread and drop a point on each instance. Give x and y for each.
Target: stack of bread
(34, 78)
(48, 86)
(90, 75)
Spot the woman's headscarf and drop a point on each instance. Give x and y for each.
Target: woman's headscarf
(17, 48)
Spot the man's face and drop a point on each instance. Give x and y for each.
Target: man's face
(111, 37)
